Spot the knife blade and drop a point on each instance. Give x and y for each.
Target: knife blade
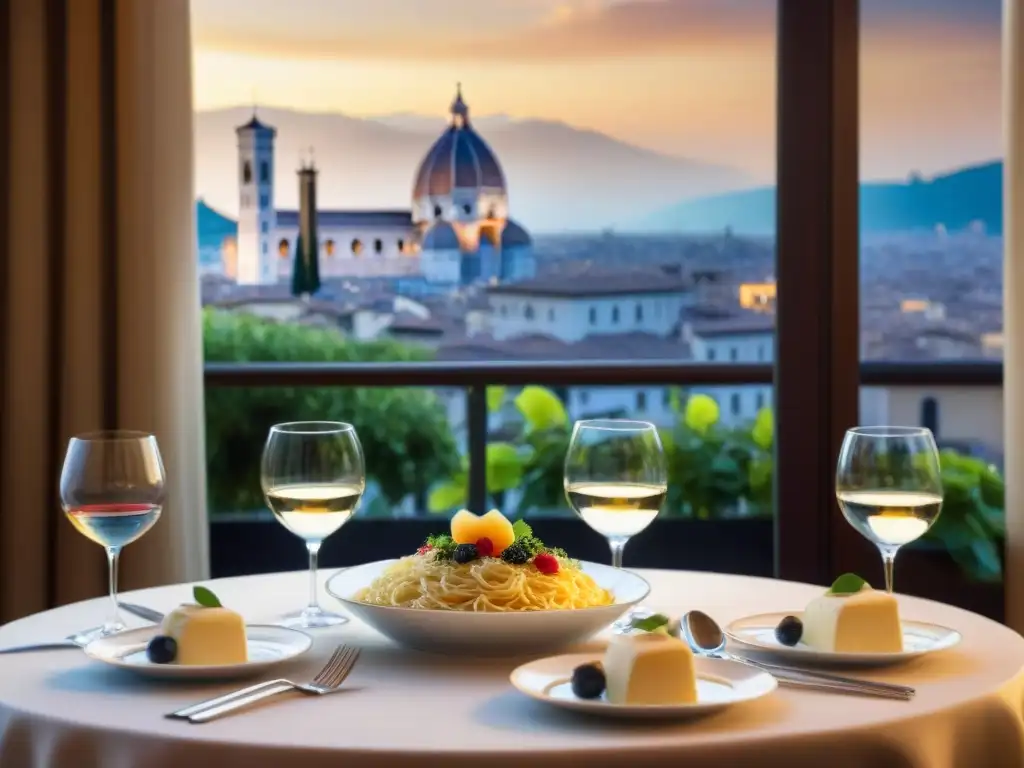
(143, 612)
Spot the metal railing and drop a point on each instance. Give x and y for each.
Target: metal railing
(474, 378)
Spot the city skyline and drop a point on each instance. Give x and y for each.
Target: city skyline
(613, 67)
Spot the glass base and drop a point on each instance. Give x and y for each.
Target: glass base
(312, 618)
(110, 628)
(625, 623)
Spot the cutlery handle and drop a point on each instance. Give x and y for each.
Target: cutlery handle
(825, 676)
(185, 712)
(825, 686)
(39, 647)
(212, 713)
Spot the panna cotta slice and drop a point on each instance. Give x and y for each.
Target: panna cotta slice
(206, 636)
(865, 621)
(649, 668)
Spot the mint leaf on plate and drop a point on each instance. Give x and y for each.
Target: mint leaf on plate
(650, 623)
(521, 529)
(847, 584)
(205, 597)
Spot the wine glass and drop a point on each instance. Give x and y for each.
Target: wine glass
(112, 491)
(615, 479)
(313, 478)
(889, 486)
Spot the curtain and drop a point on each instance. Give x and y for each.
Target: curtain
(99, 299)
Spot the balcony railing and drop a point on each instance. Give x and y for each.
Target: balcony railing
(474, 378)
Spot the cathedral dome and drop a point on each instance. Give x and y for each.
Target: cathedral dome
(514, 235)
(459, 160)
(440, 236)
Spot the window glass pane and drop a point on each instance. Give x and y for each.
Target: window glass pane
(546, 209)
(932, 247)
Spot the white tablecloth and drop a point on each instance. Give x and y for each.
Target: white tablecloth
(58, 708)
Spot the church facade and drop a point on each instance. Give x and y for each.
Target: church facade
(456, 232)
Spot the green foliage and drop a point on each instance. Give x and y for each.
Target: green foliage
(406, 439)
(972, 525)
(716, 471)
(541, 408)
(700, 414)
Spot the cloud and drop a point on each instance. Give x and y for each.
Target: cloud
(541, 30)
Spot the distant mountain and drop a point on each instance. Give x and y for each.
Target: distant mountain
(560, 178)
(955, 200)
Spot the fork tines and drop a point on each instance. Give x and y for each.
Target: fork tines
(337, 667)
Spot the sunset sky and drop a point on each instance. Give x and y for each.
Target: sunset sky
(693, 78)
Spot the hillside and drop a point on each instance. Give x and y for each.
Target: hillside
(955, 200)
(560, 178)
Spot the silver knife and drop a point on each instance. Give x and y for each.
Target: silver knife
(39, 647)
(143, 612)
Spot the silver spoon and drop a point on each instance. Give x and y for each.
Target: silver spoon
(706, 638)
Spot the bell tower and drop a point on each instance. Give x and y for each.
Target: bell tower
(257, 217)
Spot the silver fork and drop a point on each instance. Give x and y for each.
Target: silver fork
(327, 680)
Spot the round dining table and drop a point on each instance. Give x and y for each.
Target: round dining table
(402, 707)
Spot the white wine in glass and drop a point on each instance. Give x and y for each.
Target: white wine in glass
(616, 480)
(889, 487)
(313, 478)
(112, 491)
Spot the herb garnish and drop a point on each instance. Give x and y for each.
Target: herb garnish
(442, 546)
(847, 584)
(654, 623)
(205, 597)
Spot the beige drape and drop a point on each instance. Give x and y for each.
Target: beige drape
(99, 303)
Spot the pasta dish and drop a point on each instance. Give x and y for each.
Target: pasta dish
(508, 570)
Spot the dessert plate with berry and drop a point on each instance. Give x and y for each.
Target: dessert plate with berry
(782, 635)
(619, 685)
(489, 587)
(201, 640)
(850, 623)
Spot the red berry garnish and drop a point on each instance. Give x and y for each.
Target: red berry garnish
(546, 563)
(485, 547)
(424, 549)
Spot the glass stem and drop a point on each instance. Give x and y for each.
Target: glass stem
(314, 549)
(114, 623)
(618, 546)
(888, 562)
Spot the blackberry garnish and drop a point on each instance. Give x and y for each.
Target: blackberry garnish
(517, 553)
(465, 553)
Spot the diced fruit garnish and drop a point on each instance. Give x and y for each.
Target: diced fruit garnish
(546, 563)
(588, 681)
(789, 631)
(517, 554)
(468, 528)
(485, 547)
(162, 649)
(465, 553)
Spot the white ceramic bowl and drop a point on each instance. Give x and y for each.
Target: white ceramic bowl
(488, 634)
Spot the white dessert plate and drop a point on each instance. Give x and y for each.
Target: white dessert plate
(268, 645)
(757, 633)
(720, 684)
(488, 634)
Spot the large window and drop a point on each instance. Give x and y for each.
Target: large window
(604, 237)
(932, 245)
(638, 252)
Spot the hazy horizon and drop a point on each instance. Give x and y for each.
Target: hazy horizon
(685, 78)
